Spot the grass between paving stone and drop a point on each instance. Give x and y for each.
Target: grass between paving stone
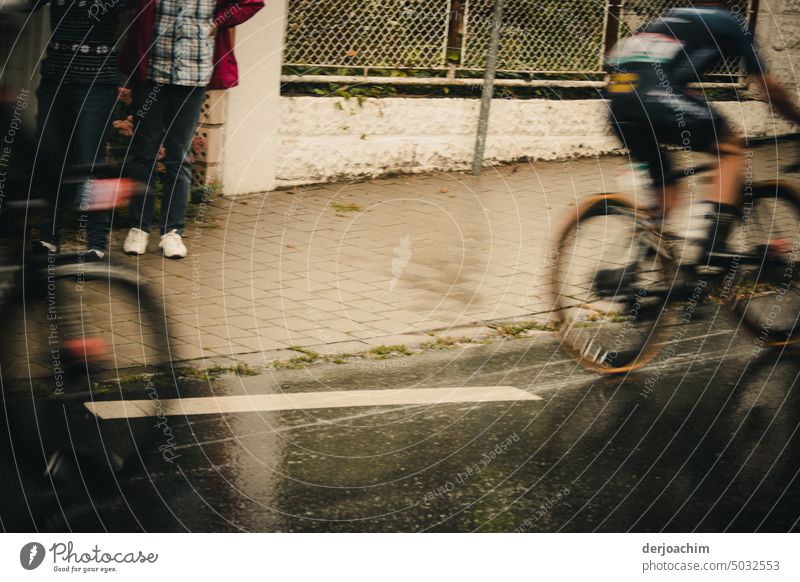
(383, 352)
(212, 372)
(521, 328)
(307, 357)
(345, 207)
(451, 343)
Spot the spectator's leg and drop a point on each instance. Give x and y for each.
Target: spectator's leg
(53, 131)
(184, 106)
(148, 120)
(89, 147)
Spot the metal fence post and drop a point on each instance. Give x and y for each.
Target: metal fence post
(488, 88)
(611, 33)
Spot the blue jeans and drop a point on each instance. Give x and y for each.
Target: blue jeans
(168, 115)
(72, 126)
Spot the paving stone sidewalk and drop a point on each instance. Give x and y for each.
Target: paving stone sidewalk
(349, 266)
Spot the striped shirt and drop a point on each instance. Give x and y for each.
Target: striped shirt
(82, 46)
(183, 47)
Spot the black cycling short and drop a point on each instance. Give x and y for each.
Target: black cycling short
(643, 122)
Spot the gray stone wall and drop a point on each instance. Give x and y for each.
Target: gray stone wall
(778, 36)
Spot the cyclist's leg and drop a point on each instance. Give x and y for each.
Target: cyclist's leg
(635, 124)
(631, 124)
(726, 187)
(714, 215)
(664, 182)
(665, 191)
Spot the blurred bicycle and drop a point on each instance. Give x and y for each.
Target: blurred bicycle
(73, 330)
(617, 272)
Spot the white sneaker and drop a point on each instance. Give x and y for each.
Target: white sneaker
(172, 245)
(136, 242)
(49, 247)
(94, 255)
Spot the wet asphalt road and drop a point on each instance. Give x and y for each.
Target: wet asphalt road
(705, 440)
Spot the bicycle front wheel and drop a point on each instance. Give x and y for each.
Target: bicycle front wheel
(83, 324)
(82, 333)
(610, 285)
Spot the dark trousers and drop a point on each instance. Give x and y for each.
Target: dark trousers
(72, 127)
(163, 115)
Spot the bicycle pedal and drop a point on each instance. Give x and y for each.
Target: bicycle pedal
(61, 467)
(614, 281)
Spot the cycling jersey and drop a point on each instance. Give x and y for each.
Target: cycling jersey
(678, 48)
(650, 102)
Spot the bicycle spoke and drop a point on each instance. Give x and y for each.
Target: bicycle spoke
(610, 288)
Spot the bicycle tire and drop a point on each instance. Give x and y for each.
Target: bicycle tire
(48, 396)
(765, 296)
(614, 332)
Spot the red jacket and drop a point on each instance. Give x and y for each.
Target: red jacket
(134, 57)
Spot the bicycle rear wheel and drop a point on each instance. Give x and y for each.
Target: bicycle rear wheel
(609, 288)
(764, 277)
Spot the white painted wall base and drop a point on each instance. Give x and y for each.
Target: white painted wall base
(273, 141)
(324, 139)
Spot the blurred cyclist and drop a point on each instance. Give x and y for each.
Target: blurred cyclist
(650, 103)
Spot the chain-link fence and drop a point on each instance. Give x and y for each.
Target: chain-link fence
(442, 41)
(368, 33)
(548, 36)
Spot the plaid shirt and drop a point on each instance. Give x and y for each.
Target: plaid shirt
(183, 48)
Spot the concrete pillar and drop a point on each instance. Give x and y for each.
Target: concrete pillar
(251, 140)
(208, 150)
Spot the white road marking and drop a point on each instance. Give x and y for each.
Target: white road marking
(116, 409)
